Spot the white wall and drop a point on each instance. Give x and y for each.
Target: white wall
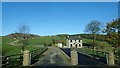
(73, 41)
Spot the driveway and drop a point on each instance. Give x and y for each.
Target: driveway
(52, 58)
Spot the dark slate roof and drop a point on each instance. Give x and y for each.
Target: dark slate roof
(74, 37)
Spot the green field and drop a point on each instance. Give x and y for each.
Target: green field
(101, 45)
(47, 40)
(8, 49)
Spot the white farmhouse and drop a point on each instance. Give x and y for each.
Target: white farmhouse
(74, 41)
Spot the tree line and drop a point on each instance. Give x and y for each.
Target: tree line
(110, 33)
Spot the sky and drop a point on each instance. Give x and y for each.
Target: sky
(60, 0)
(51, 18)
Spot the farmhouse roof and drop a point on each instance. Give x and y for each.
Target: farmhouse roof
(74, 37)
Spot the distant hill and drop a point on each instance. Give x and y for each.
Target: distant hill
(33, 35)
(13, 35)
(100, 37)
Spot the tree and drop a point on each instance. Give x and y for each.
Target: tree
(23, 35)
(93, 28)
(113, 32)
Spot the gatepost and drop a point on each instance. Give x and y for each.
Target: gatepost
(110, 58)
(74, 57)
(26, 58)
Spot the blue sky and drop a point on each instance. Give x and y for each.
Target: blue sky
(50, 18)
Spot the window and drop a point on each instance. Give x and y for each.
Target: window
(70, 40)
(79, 45)
(70, 45)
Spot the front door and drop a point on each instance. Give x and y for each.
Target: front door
(76, 46)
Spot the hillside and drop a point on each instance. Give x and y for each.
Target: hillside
(13, 35)
(8, 49)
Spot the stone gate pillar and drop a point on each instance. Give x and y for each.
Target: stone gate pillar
(110, 58)
(26, 58)
(74, 57)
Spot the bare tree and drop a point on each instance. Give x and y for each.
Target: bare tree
(93, 28)
(22, 34)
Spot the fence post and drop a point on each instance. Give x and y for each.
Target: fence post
(74, 57)
(26, 58)
(110, 58)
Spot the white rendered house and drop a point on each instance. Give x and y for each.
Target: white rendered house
(74, 41)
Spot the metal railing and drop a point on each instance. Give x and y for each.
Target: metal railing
(36, 54)
(95, 54)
